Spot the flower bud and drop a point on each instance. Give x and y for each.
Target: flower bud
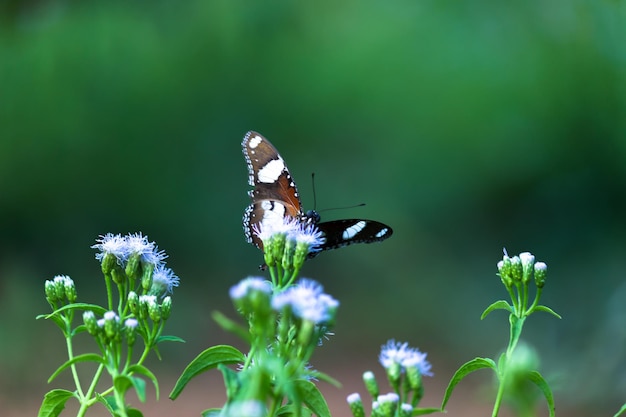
(166, 307)
(394, 373)
(356, 405)
(109, 261)
(118, 275)
(541, 270)
(517, 271)
(414, 377)
(370, 383)
(111, 324)
(388, 404)
(51, 294)
(288, 254)
(133, 266)
(70, 289)
(59, 287)
(133, 303)
(154, 311)
(406, 410)
(130, 327)
(91, 323)
(528, 262)
(146, 278)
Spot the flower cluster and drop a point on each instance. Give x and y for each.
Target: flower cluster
(60, 289)
(286, 245)
(133, 256)
(399, 360)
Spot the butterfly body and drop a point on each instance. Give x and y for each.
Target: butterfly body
(275, 197)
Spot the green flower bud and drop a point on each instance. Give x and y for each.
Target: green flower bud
(517, 270)
(370, 383)
(118, 275)
(133, 303)
(166, 307)
(146, 278)
(70, 290)
(356, 405)
(388, 404)
(109, 261)
(59, 287)
(154, 311)
(528, 262)
(288, 254)
(394, 373)
(133, 266)
(130, 327)
(111, 324)
(51, 294)
(541, 270)
(91, 323)
(414, 377)
(406, 410)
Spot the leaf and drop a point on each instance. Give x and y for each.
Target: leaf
(87, 357)
(78, 306)
(140, 388)
(133, 412)
(289, 410)
(621, 410)
(169, 339)
(326, 378)
(231, 326)
(108, 402)
(209, 359)
(466, 369)
(231, 380)
(312, 397)
(424, 411)
(212, 412)
(142, 370)
(122, 383)
(547, 310)
(54, 402)
(498, 305)
(517, 324)
(538, 380)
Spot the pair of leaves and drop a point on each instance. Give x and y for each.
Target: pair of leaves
(481, 363)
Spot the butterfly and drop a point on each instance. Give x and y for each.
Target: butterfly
(275, 197)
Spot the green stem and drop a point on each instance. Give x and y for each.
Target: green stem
(84, 405)
(70, 355)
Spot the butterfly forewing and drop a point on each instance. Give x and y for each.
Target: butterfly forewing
(275, 197)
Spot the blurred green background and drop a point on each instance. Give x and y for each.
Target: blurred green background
(468, 126)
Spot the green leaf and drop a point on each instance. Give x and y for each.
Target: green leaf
(209, 359)
(87, 357)
(212, 412)
(108, 402)
(142, 370)
(231, 326)
(424, 411)
(122, 383)
(466, 369)
(290, 410)
(231, 380)
(621, 410)
(547, 310)
(168, 338)
(54, 402)
(538, 380)
(312, 397)
(140, 388)
(516, 328)
(77, 306)
(133, 412)
(58, 320)
(498, 305)
(326, 378)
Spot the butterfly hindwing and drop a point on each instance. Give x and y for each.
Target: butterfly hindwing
(275, 197)
(345, 232)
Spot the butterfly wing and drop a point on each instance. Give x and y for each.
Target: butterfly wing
(275, 194)
(345, 232)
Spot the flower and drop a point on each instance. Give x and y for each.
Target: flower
(163, 280)
(309, 236)
(307, 301)
(112, 244)
(247, 285)
(401, 354)
(148, 251)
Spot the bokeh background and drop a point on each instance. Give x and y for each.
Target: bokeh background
(468, 126)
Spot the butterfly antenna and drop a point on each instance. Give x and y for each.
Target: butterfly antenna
(314, 195)
(342, 208)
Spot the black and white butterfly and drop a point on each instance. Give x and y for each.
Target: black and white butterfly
(275, 197)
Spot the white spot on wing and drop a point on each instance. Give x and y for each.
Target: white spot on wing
(254, 142)
(273, 212)
(271, 171)
(351, 231)
(382, 233)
